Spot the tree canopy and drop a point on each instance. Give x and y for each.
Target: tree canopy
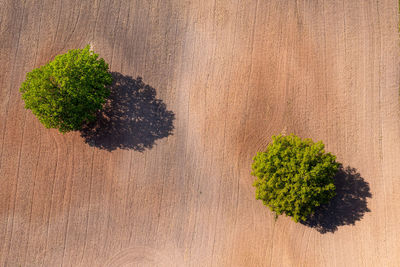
(294, 176)
(68, 91)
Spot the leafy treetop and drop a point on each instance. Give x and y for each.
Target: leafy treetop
(67, 92)
(294, 176)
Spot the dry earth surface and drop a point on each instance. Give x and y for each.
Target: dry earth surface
(232, 73)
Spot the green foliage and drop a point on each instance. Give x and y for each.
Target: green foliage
(294, 176)
(67, 92)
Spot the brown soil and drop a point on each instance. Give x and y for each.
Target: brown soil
(222, 76)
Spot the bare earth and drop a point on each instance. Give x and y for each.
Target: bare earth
(231, 73)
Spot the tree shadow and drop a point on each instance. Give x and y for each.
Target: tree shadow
(347, 207)
(132, 117)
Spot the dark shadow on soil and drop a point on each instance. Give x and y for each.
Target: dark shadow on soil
(347, 207)
(132, 118)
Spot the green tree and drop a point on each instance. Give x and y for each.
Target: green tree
(294, 176)
(68, 91)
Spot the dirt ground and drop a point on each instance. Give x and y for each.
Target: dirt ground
(173, 188)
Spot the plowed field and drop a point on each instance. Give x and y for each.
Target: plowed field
(218, 78)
